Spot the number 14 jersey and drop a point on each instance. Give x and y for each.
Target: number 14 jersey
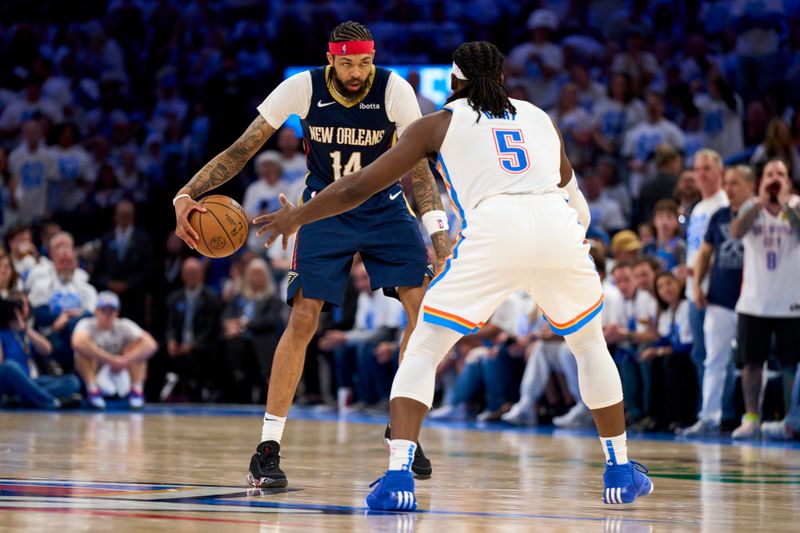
(340, 136)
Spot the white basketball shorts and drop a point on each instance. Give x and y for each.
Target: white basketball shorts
(517, 242)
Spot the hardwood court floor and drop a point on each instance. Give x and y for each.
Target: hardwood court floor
(184, 470)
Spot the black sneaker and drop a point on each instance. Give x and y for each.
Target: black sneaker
(265, 466)
(421, 467)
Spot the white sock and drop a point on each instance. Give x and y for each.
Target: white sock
(272, 428)
(401, 454)
(616, 449)
(138, 387)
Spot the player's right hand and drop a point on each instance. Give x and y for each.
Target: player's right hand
(183, 207)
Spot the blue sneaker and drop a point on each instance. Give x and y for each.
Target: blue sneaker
(625, 483)
(394, 492)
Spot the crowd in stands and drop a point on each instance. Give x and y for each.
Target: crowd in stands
(679, 118)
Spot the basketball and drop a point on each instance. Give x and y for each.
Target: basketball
(222, 229)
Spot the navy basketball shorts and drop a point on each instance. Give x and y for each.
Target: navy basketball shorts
(382, 230)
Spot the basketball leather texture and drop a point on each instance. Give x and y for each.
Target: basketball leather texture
(222, 229)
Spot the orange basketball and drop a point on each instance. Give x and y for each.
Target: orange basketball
(222, 229)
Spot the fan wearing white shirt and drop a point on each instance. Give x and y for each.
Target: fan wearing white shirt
(111, 354)
(262, 196)
(708, 172)
(769, 304)
(642, 140)
(33, 167)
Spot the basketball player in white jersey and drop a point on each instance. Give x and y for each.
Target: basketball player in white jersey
(769, 304)
(506, 170)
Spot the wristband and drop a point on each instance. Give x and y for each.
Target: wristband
(435, 221)
(184, 195)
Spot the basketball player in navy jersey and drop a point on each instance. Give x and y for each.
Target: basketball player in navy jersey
(351, 112)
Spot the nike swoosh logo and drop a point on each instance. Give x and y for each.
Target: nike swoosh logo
(395, 195)
(326, 104)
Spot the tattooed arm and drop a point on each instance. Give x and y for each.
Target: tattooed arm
(223, 167)
(427, 198)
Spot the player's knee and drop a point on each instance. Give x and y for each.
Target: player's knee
(303, 320)
(587, 338)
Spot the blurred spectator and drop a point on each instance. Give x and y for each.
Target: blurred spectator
(361, 379)
(630, 322)
(769, 227)
(725, 282)
(124, 265)
(614, 187)
(426, 106)
(493, 358)
(74, 176)
(59, 301)
(175, 255)
(192, 329)
(9, 279)
(18, 343)
(262, 195)
(539, 61)
(758, 24)
(606, 213)
(721, 114)
(756, 121)
(673, 385)
(778, 143)
(292, 161)
(635, 61)
(575, 125)
(550, 354)
(111, 354)
(708, 175)
(33, 167)
(22, 250)
(26, 106)
(107, 192)
(687, 195)
(251, 326)
(642, 140)
(44, 266)
(625, 246)
(661, 186)
(669, 248)
(617, 113)
(644, 271)
(9, 193)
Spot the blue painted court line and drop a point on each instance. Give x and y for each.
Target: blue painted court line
(346, 509)
(311, 413)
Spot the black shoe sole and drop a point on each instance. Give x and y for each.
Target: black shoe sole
(266, 482)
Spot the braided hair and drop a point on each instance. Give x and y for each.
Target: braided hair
(350, 31)
(482, 65)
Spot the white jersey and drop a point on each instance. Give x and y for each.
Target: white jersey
(698, 224)
(771, 259)
(519, 154)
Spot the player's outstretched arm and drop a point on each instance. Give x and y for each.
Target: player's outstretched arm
(223, 167)
(428, 200)
(422, 138)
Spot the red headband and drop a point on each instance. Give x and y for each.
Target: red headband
(351, 47)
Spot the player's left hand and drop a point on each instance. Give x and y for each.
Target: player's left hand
(277, 223)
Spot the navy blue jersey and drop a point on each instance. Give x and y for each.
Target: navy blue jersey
(341, 139)
(726, 272)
